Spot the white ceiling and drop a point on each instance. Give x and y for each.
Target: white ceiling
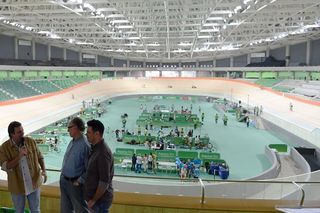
(172, 30)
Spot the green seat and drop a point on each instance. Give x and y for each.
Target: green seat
(279, 147)
(10, 210)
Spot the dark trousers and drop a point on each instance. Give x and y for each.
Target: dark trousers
(71, 197)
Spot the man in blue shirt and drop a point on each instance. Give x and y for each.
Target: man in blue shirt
(73, 170)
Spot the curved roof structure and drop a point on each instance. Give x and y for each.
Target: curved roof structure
(172, 30)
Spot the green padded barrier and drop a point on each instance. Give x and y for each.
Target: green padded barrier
(172, 97)
(94, 73)
(205, 156)
(15, 74)
(269, 75)
(108, 74)
(56, 73)
(137, 138)
(218, 161)
(124, 151)
(142, 152)
(3, 74)
(204, 140)
(315, 75)
(44, 74)
(68, 73)
(81, 73)
(301, 75)
(185, 155)
(166, 155)
(178, 141)
(163, 119)
(31, 74)
(252, 75)
(44, 148)
(279, 147)
(286, 75)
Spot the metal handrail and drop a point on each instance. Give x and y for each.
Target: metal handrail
(302, 193)
(210, 180)
(202, 190)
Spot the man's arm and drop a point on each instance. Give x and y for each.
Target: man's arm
(7, 165)
(102, 187)
(43, 169)
(85, 157)
(104, 165)
(41, 162)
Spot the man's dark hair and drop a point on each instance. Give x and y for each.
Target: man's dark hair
(96, 126)
(12, 126)
(79, 123)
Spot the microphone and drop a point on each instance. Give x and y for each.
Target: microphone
(22, 142)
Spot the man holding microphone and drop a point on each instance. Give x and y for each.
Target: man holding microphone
(24, 164)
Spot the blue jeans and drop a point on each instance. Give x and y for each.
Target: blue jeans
(19, 201)
(138, 168)
(100, 208)
(72, 199)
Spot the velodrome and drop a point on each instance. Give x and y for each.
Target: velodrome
(41, 111)
(180, 67)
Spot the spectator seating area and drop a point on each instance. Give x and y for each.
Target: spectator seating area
(4, 95)
(18, 89)
(301, 87)
(269, 62)
(52, 62)
(15, 89)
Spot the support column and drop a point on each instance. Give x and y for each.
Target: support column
(64, 54)
(49, 52)
(96, 60)
(112, 61)
(114, 73)
(33, 49)
(144, 64)
(214, 63)
(248, 58)
(308, 53)
(268, 51)
(231, 61)
(287, 55)
(128, 63)
(228, 74)
(16, 49)
(80, 57)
